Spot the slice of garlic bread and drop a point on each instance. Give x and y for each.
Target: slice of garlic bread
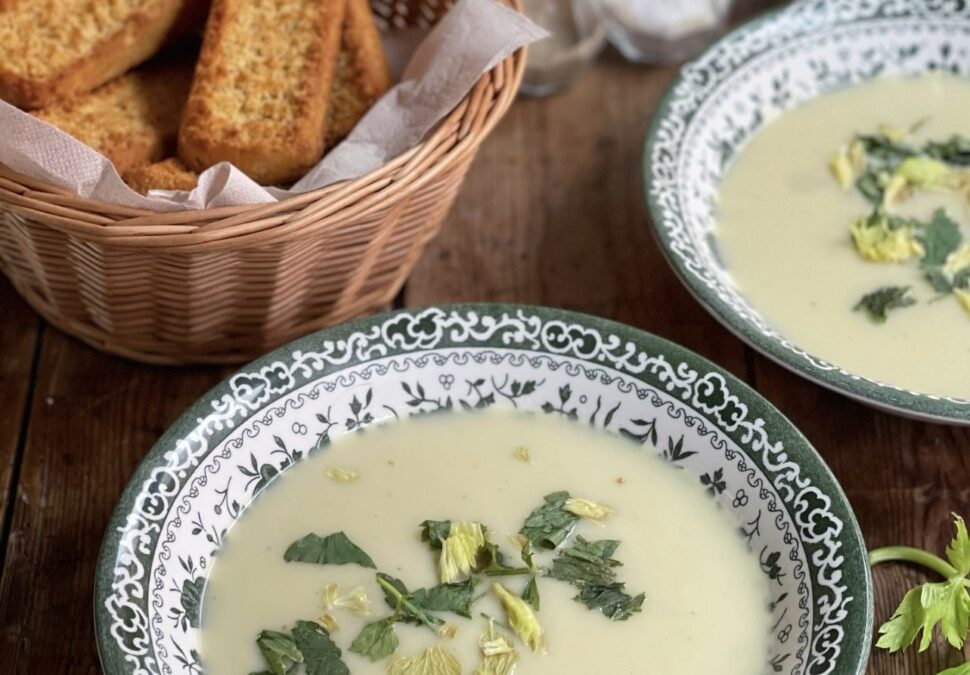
(363, 74)
(52, 49)
(169, 174)
(132, 120)
(262, 87)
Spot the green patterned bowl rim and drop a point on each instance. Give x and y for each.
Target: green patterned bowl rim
(779, 35)
(720, 406)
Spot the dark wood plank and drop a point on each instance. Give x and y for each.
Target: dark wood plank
(20, 331)
(552, 212)
(903, 479)
(93, 419)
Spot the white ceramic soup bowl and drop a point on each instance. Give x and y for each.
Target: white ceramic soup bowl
(215, 460)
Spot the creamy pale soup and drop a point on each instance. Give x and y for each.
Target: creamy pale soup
(784, 227)
(705, 599)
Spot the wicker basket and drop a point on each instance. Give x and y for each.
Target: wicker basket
(224, 285)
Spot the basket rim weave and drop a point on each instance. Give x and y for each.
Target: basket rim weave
(229, 226)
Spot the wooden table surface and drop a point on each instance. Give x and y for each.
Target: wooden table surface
(552, 213)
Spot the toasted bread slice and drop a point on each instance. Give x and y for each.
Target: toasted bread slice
(262, 87)
(169, 174)
(363, 74)
(52, 49)
(132, 120)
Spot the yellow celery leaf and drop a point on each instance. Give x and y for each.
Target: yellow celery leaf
(586, 508)
(925, 172)
(328, 596)
(329, 621)
(521, 617)
(879, 243)
(857, 156)
(459, 551)
(957, 260)
(435, 660)
(447, 631)
(492, 642)
(355, 600)
(921, 172)
(338, 475)
(896, 189)
(842, 169)
(499, 655)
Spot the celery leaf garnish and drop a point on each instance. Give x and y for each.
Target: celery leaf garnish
(377, 640)
(940, 238)
(279, 650)
(945, 603)
(550, 524)
(879, 303)
(435, 532)
(309, 644)
(589, 565)
(334, 549)
(320, 655)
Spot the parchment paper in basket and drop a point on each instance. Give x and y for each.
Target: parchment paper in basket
(470, 39)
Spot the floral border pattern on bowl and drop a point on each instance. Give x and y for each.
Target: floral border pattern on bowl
(755, 73)
(204, 472)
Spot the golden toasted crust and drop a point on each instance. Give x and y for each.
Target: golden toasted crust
(169, 174)
(363, 74)
(262, 87)
(132, 120)
(85, 43)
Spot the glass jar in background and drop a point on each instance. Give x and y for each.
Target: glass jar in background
(661, 31)
(576, 35)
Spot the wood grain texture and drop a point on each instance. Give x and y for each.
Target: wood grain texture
(93, 418)
(552, 213)
(20, 331)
